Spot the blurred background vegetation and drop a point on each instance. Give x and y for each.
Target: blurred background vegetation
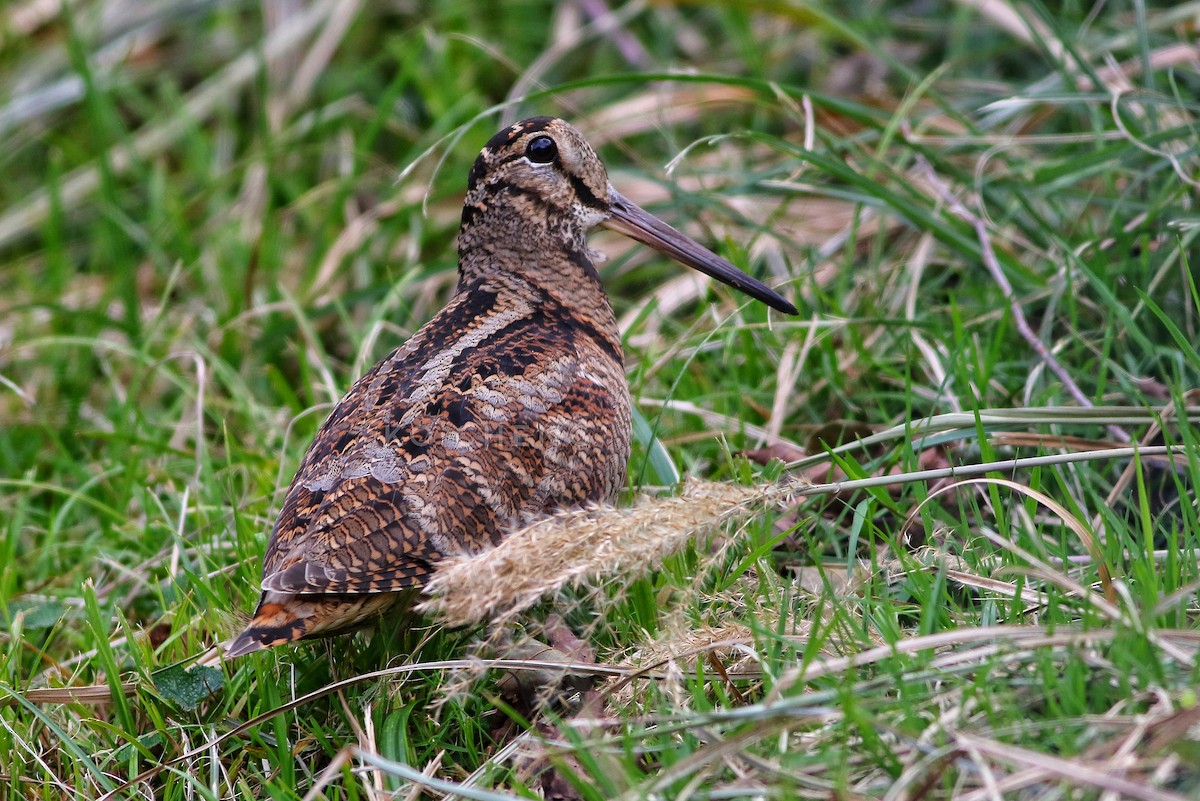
(215, 215)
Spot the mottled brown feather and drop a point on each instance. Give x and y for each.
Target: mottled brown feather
(428, 457)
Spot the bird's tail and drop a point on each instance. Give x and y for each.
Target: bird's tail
(284, 617)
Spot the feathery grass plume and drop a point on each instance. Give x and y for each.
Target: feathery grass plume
(583, 545)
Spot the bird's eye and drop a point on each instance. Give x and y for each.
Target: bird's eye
(541, 150)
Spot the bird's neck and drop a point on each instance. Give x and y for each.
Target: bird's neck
(545, 263)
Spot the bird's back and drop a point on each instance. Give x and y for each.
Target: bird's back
(505, 406)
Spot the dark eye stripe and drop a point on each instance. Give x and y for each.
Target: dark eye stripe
(585, 195)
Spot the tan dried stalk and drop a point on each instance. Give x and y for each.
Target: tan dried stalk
(584, 546)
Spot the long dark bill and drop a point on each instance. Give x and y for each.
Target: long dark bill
(636, 223)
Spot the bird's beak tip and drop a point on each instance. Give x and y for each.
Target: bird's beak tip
(628, 218)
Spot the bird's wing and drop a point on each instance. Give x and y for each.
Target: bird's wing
(490, 416)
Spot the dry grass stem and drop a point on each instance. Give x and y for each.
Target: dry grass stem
(585, 546)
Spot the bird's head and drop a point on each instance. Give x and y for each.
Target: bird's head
(540, 174)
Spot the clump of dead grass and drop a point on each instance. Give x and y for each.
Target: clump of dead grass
(584, 546)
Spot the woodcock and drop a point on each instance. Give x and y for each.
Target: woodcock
(509, 404)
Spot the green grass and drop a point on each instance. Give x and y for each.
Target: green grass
(199, 252)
